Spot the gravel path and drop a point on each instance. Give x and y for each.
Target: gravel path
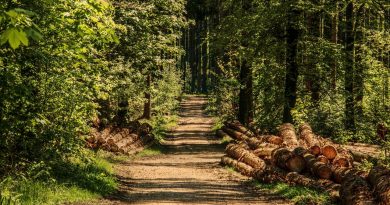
(188, 172)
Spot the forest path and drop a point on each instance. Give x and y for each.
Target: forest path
(188, 172)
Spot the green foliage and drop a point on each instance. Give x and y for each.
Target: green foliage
(297, 194)
(321, 61)
(162, 124)
(67, 65)
(78, 179)
(154, 150)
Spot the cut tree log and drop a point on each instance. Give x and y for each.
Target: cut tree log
(343, 158)
(238, 152)
(95, 134)
(332, 188)
(236, 125)
(270, 174)
(355, 191)
(144, 129)
(114, 139)
(125, 142)
(360, 156)
(287, 133)
(239, 166)
(329, 151)
(235, 134)
(285, 159)
(323, 159)
(341, 161)
(316, 167)
(306, 134)
(340, 173)
(253, 143)
(273, 139)
(104, 135)
(379, 178)
(221, 134)
(265, 150)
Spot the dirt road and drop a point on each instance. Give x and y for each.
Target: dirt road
(189, 171)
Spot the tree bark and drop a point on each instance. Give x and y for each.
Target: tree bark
(292, 34)
(245, 109)
(349, 70)
(148, 104)
(379, 179)
(287, 133)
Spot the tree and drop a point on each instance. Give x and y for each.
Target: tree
(349, 69)
(292, 37)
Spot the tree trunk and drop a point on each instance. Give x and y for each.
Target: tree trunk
(356, 191)
(306, 133)
(290, 92)
(222, 134)
(379, 179)
(245, 109)
(359, 68)
(276, 140)
(239, 127)
(265, 150)
(243, 155)
(316, 167)
(329, 151)
(148, 104)
(239, 166)
(349, 70)
(192, 57)
(287, 133)
(235, 134)
(335, 31)
(286, 159)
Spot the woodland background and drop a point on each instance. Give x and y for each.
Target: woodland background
(67, 66)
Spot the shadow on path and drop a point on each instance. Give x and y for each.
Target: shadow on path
(188, 172)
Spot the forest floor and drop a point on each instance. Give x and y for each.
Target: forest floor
(188, 170)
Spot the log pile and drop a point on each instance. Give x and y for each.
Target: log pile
(304, 159)
(121, 140)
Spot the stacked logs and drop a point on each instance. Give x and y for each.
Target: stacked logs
(304, 159)
(121, 140)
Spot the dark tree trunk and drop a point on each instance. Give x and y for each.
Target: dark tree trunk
(359, 68)
(205, 58)
(123, 107)
(198, 51)
(335, 31)
(192, 57)
(148, 104)
(292, 35)
(245, 101)
(245, 110)
(349, 69)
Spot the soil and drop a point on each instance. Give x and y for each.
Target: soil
(188, 171)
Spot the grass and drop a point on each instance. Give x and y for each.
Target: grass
(226, 140)
(297, 194)
(73, 180)
(76, 179)
(162, 125)
(154, 150)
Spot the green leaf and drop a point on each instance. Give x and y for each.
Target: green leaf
(12, 13)
(4, 37)
(23, 37)
(23, 11)
(13, 38)
(34, 34)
